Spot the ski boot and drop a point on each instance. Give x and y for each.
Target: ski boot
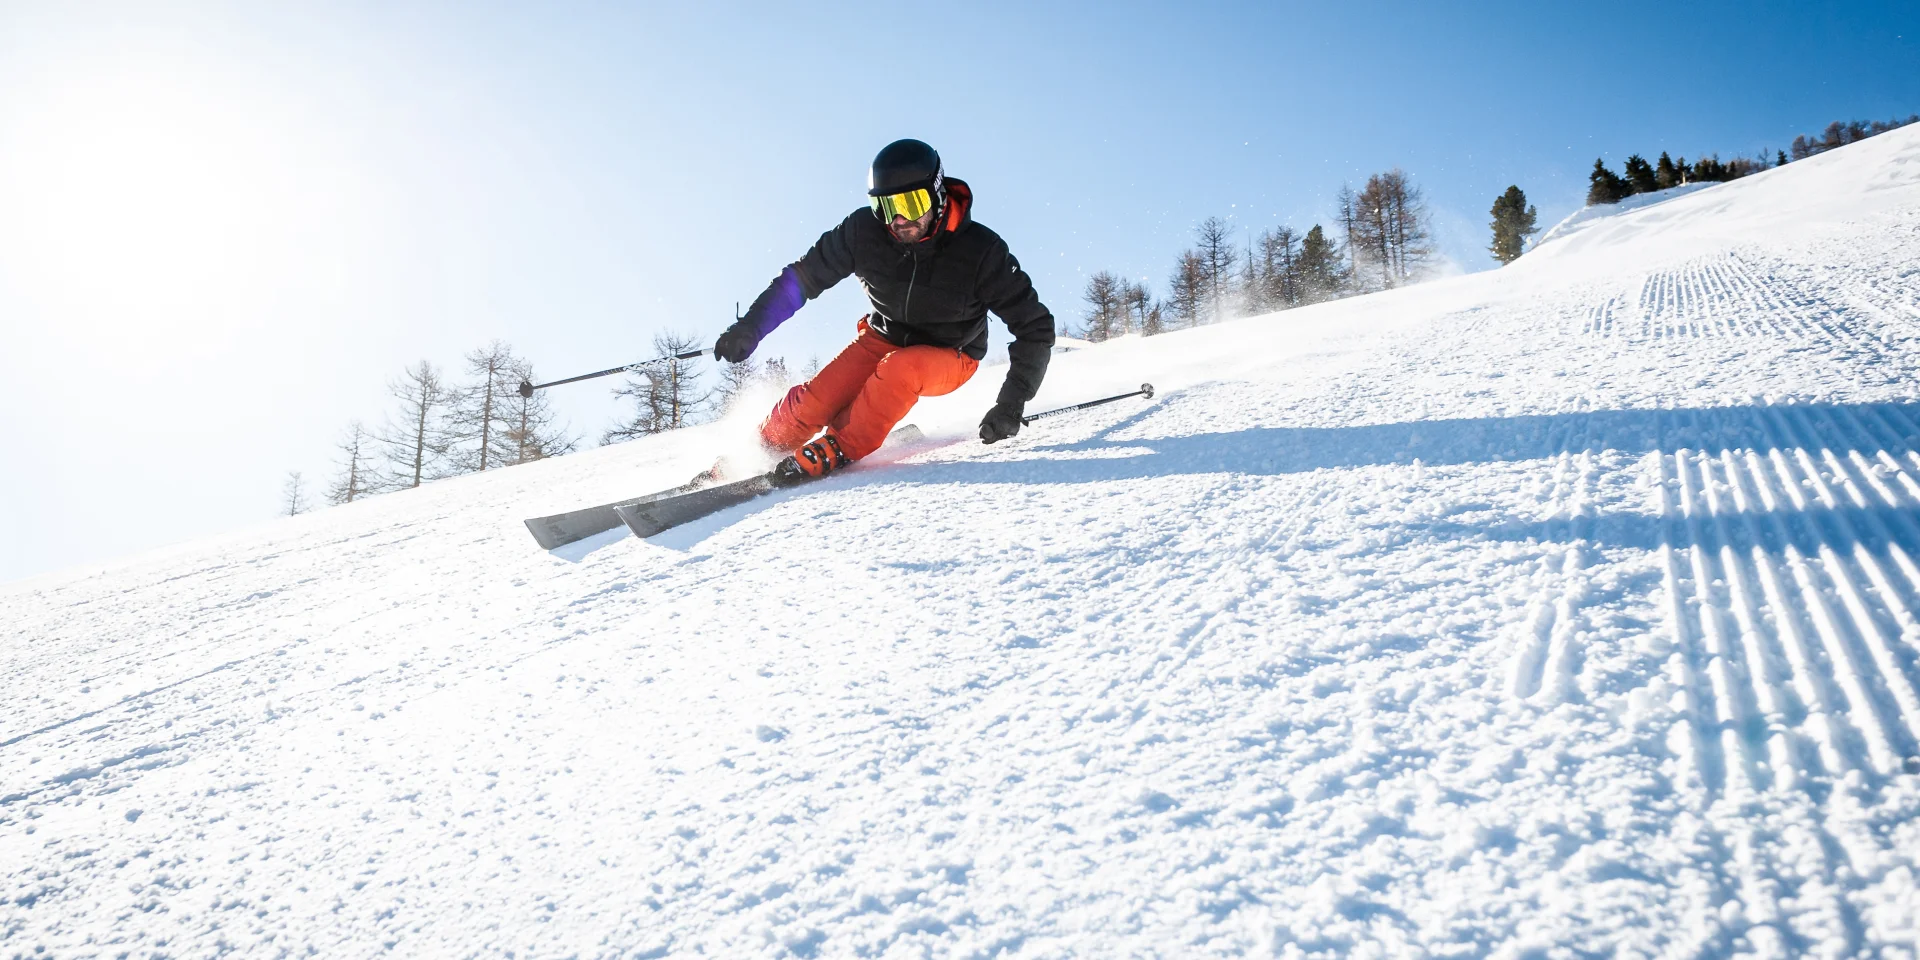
(810, 462)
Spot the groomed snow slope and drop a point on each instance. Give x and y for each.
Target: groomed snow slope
(1572, 609)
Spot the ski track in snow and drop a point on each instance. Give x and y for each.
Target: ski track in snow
(1572, 609)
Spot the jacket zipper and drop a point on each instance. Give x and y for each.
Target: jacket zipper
(906, 310)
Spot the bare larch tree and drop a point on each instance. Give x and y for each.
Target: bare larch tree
(1217, 257)
(293, 496)
(481, 414)
(1143, 314)
(1106, 307)
(1187, 291)
(1391, 224)
(415, 440)
(667, 395)
(358, 476)
(533, 431)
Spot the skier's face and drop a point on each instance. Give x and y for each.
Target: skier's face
(911, 231)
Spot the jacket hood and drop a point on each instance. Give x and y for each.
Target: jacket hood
(959, 207)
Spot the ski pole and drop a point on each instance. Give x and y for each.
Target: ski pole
(527, 389)
(1146, 390)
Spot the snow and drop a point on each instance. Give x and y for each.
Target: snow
(1567, 609)
(1587, 215)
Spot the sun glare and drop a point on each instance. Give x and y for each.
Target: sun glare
(154, 202)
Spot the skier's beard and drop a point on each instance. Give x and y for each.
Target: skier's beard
(912, 231)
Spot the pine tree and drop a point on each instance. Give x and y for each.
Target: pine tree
(359, 477)
(293, 495)
(1106, 313)
(1640, 175)
(1665, 174)
(1513, 222)
(1604, 186)
(1780, 158)
(1322, 274)
(414, 441)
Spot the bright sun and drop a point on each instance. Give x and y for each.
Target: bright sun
(159, 202)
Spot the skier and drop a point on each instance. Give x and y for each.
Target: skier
(931, 274)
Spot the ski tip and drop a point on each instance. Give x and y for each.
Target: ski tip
(1146, 389)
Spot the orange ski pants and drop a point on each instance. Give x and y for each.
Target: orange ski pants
(863, 392)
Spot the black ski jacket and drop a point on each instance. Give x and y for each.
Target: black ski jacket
(936, 292)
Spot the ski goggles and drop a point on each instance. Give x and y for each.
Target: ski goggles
(913, 205)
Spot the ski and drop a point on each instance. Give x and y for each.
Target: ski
(648, 517)
(561, 529)
(654, 515)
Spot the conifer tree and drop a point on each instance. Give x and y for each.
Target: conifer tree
(1780, 158)
(1323, 276)
(1513, 222)
(1603, 185)
(1640, 176)
(1665, 174)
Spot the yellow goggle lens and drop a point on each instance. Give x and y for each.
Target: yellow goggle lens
(913, 205)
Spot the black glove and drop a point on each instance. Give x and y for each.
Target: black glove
(1001, 422)
(737, 343)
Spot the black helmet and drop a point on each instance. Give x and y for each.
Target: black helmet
(906, 165)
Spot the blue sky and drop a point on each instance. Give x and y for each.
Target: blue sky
(223, 227)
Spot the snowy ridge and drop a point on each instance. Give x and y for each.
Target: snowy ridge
(1586, 215)
(1570, 609)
